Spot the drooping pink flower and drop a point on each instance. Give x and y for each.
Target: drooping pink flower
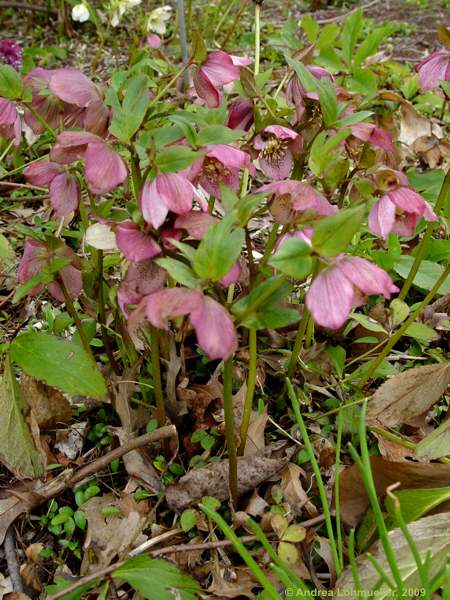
(38, 255)
(278, 146)
(220, 166)
(142, 278)
(400, 207)
(368, 132)
(290, 197)
(167, 192)
(154, 41)
(240, 114)
(63, 187)
(434, 69)
(10, 125)
(341, 287)
(104, 167)
(295, 92)
(216, 71)
(215, 330)
(134, 244)
(11, 54)
(196, 223)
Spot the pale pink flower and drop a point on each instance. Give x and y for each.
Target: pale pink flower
(104, 168)
(213, 325)
(339, 288)
(63, 187)
(295, 92)
(134, 244)
(38, 255)
(290, 197)
(142, 278)
(240, 114)
(434, 69)
(154, 41)
(216, 71)
(10, 125)
(368, 132)
(278, 146)
(220, 166)
(400, 207)
(196, 223)
(167, 192)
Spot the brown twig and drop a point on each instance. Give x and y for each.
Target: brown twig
(169, 550)
(26, 6)
(9, 546)
(22, 185)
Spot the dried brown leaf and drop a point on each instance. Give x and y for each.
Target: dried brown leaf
(408, 394)
(354, 499)
(50, 408)
(232, 583)
(293, 492)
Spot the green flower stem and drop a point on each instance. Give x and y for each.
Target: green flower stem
(353, 565)
(224, 17)
(443, 198)
(270, 244)
(170, 84)
(298, 344)
(6, 150)
(38, 117)
(102, 315)
(316, 469)
(243, 552)
(136, 175)
(229, 428)
(337, 503)
(363, 463)
(251, 383)
(156, 372)
(398, 334)
(257, 37)
(74, 314)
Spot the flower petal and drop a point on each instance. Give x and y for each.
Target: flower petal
(206, 89)
(71, 86)
(330, 298)
(366, 276)
(134, 244)
(42, 172)
(215, 330)
(64, 194)
(196, 223)
(152, 205)
(104, 169)
(176, 191)
(382, 217)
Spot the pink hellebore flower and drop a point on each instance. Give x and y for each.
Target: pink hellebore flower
(63, 187)
(220, 166)
(368, 132)
(432, 70)
(10, 125)
(196, 223)
(216, 71)
(104, 168)
(37, 256)
(291, 197)
(341, 287)
(278, 146)
(240, 114)
(154, 41)
(167, 192)
(215, 330)
(400, 207)
(142, 278)
(134, 244)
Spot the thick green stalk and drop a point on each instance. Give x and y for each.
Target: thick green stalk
(251, 383)
(102, 314)
(224, 17)
(257, 37)
(6, 150)
(229, 428)
(444, 196)
(298, 344)
(316, 469)
(73, 313)
(398, 334)
(169, 85)
(156, 372)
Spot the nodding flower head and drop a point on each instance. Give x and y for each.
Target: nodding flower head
(217, 70)
(10, 124)
(399, 208)
(434, 69)
(277, 147)
(11, 54)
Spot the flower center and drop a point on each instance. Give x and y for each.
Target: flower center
(274, 150)
(214, 170)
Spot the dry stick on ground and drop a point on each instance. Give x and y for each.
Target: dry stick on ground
(9, 546)
(169, 550)
(69, 479)
(26, 6)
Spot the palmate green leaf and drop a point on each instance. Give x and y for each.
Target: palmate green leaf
(59, 362)
(333, 234)
(430, 534)
(219, 249)
(157, 579)
(11, 85)
(370, 44)
(293, 258)
(17, 449)
(176, 158)
(427, 275)
(128, 118)
(323, 151)
(416, 503)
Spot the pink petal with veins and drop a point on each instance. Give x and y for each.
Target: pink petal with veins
(42, 172)
(134, 244)
(382, 217)
(330, 298)
(196, 223)
(64, 194)
(104, 168)
(366, 276)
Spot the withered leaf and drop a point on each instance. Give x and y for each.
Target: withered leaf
(50, 408)
(354, 499)
(213, 480)
(408, 394)
(430, 534)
